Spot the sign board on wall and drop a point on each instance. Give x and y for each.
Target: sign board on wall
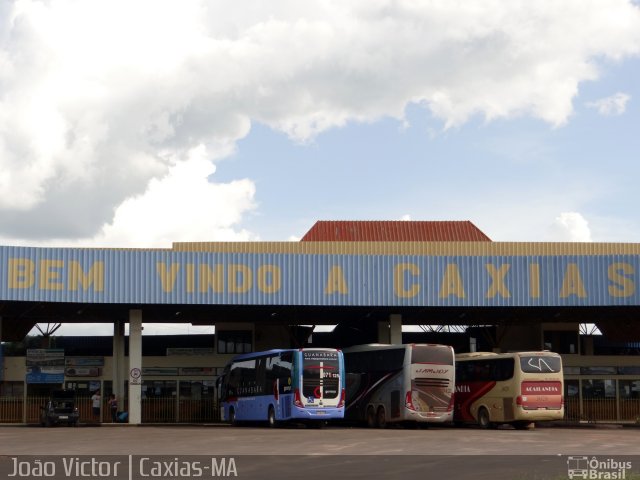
(45, 365)
(530, 278)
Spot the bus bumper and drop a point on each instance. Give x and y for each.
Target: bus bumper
(329, 413)
(435, 417)
(539, 414)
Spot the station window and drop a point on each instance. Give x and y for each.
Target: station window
(571, 388)
(159, 388)
(598, 389)
(11, 389)
(233, 341)
(629, 388)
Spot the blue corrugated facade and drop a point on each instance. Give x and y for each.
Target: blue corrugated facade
(318, 279)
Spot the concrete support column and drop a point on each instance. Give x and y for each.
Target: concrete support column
(390, 331)
(119, 364)
(135, 367)
(383, 332)
(395, 328)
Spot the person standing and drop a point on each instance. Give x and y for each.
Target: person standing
(95, 404)
(113, 407)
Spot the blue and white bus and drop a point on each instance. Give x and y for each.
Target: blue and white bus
(304, 384)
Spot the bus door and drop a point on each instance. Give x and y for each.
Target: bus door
(320, 378)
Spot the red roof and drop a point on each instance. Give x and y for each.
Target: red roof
(394, 231)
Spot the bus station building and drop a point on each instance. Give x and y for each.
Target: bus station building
(368, 278)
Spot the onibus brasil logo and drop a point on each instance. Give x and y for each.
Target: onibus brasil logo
(595, 468)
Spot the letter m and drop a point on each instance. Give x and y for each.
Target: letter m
(95, 276)
(218, 469)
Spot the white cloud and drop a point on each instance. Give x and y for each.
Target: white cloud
(570, 227)
(103, 103)
(614, 105)
(182, 206)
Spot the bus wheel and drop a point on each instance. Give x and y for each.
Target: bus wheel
(232, 417)
(371, 417)
(271, 417)
(381, 418)
(483, 418)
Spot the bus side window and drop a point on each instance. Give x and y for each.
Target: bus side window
(482, 371)
(283, 370)
(464, 371)
(261, 376)
(502, 369)
(232, 380)
(269, 374)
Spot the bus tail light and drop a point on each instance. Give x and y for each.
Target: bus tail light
(408, 402)
(297, 399)
(519, 400)
(452, 402)
(342, 397)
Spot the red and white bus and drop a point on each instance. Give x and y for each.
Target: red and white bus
(515, 388)
(399, 383)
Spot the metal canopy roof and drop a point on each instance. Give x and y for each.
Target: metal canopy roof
(395, 231)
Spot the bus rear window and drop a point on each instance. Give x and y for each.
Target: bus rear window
(431, 354)
(541, 364)
(320, 369)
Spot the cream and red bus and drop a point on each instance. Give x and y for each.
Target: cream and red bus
(515, 388)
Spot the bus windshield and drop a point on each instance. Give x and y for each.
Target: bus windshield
(435, 354)
(320, 374)
(540, 364)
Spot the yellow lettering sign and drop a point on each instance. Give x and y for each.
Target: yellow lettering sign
(21, 273)
(410, 289)
(336, 283)
(269, 278)
(622, 286)
(213, 279)
(190, 272)
(452, 282)
(497, 280)
(167, 275)
(572, 283)
(51, 274)
(76, 276)
(534, 280)
(240, 278)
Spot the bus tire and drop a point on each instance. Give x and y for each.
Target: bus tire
(484, 421)
(381, 418)
(271, 417)
(232, 417)
(371, 417)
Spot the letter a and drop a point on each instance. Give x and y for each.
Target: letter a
(572, 282)
(336, 283)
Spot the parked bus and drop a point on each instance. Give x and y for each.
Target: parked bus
(278, 385)
(399, 383)
(515, 388)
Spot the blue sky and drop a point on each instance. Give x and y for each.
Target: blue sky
(513, 178)
(242, 121)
